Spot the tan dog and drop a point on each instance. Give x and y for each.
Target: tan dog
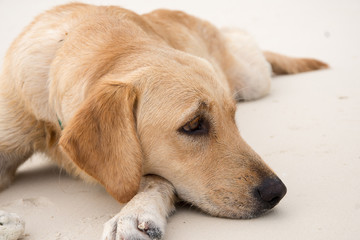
(145, 106)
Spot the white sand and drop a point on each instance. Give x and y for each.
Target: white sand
(308, 130)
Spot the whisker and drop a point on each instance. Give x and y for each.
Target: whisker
(237, 94)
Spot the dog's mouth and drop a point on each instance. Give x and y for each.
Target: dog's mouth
(225, 212)
(251, 205)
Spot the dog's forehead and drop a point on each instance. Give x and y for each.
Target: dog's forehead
(181, 88)
(174, 98)
(173, 90)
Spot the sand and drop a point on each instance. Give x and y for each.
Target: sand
(307, 130)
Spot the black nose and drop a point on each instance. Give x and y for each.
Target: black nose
(271, 191)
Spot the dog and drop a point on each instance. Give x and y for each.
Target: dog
(144, 105)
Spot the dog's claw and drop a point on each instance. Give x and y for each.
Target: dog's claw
(151, 230)
(142, 226)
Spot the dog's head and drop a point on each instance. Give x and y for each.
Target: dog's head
(177, 122)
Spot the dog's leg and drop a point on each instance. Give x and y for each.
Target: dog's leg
(248, 72)
(144, 217)
(9, 162)
(20, 135)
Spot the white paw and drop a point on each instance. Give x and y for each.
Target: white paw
(11, 226)
(135, 226)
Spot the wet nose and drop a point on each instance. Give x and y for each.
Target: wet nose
(271, 191)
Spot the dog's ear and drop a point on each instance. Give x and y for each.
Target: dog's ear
(101, 139)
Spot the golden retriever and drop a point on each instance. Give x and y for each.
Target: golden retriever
(144, 105)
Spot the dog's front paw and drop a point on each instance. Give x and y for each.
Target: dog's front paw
(144, 217)
(133, 227)
(11, 226)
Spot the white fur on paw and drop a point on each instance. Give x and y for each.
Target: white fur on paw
(11, 226)
(131, 227)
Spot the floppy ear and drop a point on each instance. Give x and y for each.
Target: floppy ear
(101, 139)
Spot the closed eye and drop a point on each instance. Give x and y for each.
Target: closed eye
(197, 126)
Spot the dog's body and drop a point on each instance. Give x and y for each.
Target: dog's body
(112, 96)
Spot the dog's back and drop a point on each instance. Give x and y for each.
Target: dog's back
(27, 66)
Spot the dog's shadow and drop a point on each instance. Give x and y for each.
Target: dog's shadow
(41, 177)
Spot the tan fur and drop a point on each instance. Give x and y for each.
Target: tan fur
(123, 86)
(288, 65)
(101, 139)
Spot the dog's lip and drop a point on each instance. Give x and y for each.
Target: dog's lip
(236, 215)
(256, 208)
(254, 211)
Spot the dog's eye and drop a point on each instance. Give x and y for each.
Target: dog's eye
(197, 126)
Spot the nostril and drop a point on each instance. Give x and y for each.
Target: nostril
(271, 191)
(274, 201)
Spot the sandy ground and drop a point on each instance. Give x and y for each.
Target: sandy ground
(307, 129)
